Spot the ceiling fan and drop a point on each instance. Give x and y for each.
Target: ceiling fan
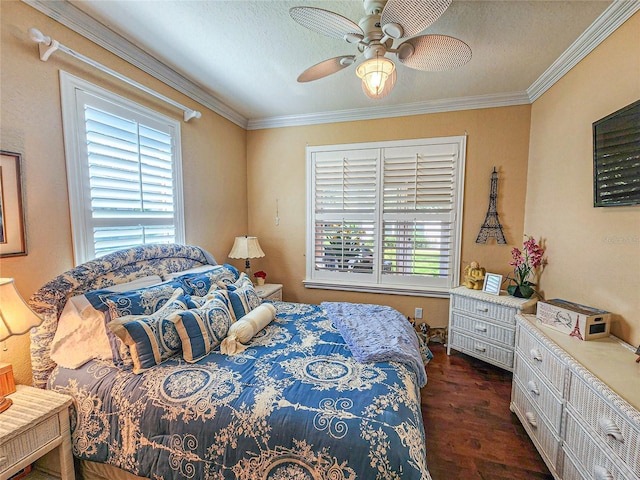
(384, 23)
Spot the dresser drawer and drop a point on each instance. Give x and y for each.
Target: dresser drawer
(570, 471)
(542, 361)
(23, 445)
(589, 454)
(483, 329)
(538, 391)
(481, 349)
(482, 309)
(608, 424)
(545, 439)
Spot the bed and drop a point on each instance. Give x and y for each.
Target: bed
(293, 403)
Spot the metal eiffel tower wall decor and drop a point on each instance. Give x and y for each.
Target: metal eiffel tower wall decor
(491, 226)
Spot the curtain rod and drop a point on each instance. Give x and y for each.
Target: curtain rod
(47, 46)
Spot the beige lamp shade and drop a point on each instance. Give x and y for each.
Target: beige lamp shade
(246, 247)
(16, 318)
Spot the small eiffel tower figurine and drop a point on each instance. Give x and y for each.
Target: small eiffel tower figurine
(491, 226)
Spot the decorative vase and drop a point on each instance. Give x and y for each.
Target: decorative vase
(520, 291)
(260, 281)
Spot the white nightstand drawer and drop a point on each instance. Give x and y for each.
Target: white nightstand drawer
(24, 445)
(493, 311)
(483, 329)
(481, 349)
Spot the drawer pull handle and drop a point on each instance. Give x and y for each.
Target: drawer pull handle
(480, 348)
(610, 429)
(531, 418)
(482, 309)
(533, 387)
(536, 355)
(601, 473)
(480, 328)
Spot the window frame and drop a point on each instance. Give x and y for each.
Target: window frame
(72, 92)
(397, 286)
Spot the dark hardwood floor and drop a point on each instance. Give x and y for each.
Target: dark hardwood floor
(471, 433)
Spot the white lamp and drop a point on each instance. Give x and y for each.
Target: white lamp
(16, 318)
(247, 248)
(375, 73)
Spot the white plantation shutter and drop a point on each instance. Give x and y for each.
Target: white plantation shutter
(124, 172)
(345, 199)
(385, 216)
(419, 213)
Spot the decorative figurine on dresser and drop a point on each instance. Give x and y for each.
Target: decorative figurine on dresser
(483, 325)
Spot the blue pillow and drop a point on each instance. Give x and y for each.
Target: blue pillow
(141, 301)
(152, 338)
(199, 284)
(243, 296)
(202, 329)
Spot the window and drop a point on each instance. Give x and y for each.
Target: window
(385, 217)
(123, 171)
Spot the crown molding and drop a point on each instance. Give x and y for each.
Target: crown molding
(614, 15)
(75, 19)
(404, 110)
(65, 13)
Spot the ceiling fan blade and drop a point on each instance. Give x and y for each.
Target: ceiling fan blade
(412, 15)
(324, 22)
(434, 53)
(326, 68)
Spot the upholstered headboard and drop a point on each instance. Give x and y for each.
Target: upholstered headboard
(114, 268)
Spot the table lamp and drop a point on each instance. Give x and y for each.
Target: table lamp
(247, 248)
(16, 318)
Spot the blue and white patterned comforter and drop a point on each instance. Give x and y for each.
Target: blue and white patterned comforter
(294, 405)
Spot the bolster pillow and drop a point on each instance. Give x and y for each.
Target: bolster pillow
(244, 329)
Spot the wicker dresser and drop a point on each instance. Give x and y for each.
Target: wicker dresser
(483, 325)
(36, 423)
(578, 401)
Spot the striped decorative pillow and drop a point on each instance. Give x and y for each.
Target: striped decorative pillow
(151, 338)
(202, 329)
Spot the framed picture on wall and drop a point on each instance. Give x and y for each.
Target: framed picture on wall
(12, 231)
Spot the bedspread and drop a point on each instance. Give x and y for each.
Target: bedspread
(295, 405)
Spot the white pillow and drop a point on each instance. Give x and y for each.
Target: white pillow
(82, 334)
(244, 329)
(200, 269)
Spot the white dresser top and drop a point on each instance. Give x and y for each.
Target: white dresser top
(610, 359)
(503, 299)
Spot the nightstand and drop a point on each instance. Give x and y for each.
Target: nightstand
(36, 423)
(270, 291)
(484, 325)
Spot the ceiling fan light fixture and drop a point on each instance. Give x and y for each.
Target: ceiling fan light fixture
(374, 74)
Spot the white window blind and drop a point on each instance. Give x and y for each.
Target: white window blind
(385, 216)
(123, 166)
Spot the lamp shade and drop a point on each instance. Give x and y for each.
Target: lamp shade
(16, 317)
(246, 247)
(374, 74)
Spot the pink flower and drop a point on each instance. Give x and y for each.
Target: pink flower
(525, 262)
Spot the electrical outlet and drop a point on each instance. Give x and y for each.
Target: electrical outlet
(418, 313)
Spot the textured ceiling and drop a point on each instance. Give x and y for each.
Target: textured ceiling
(248, 54)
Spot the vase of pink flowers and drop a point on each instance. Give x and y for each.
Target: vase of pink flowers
(526, 264)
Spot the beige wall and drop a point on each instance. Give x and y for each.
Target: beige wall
(276, 168)
(593, 253)
(214, 156)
